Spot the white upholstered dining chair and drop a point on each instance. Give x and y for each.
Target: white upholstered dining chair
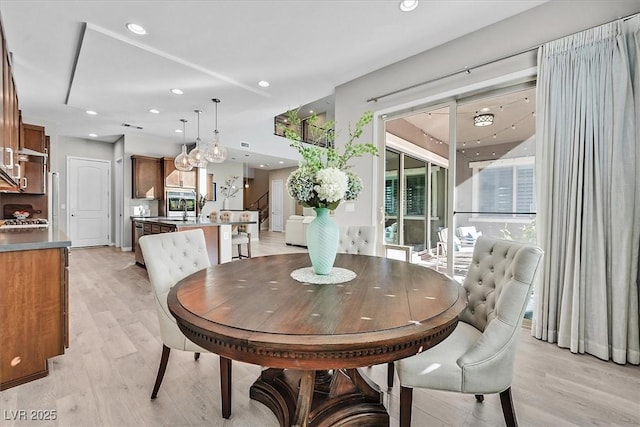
(357, 239)
(170, 257)
(478, 357)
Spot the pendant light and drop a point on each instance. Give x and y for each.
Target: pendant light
(182, 161)
(215, 152)
(196, 156)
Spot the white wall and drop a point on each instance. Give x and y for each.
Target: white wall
(83, 148)
(288, 202)
(544, 23)
(222, 171)
(262, 140)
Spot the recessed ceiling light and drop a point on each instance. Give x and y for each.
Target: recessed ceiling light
(93, 135)
(91, 112)
(154, 111)
(310, 111)
(263, 83)
(136, 29)
(178, 130)
(261, 166)
(176, 91)
(408, 5)
(485, 109)
(281, 162)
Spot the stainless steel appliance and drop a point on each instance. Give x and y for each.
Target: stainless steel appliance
(179, 202)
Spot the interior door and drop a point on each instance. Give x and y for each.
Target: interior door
(89, 201)
(276, 205)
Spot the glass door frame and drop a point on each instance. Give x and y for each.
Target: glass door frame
(381, 130)
(452, 102)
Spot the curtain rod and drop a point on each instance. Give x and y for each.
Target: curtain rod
(467, 69)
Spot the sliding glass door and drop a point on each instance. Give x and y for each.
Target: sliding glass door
(495, 159)
(491, 146)
(415, 193)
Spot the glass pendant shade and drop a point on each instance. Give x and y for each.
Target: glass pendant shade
(196, 156)
(215, 152)
(182, 161)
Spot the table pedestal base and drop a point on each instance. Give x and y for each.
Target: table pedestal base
(320, 398)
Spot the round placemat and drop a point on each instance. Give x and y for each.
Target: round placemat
(337, 275)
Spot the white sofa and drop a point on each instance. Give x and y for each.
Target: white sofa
(295, 229)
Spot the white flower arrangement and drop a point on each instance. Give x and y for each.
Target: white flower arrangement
(323, 179)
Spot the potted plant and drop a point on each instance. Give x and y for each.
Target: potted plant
(322, 180)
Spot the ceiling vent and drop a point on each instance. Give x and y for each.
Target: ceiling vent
(128, 125)
(244, 144)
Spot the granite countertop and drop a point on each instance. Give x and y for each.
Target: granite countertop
(24, 239)
(188, 223)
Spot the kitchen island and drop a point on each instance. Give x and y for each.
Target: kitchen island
(217, 234)
(34, 280)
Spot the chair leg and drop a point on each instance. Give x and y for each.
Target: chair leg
(480, 398)
(406, 400)
(249, 247)
(225, 386)
(507, 408)
(163, 367)
(390, 372)
(196, 356)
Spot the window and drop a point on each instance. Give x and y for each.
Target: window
(504, 187)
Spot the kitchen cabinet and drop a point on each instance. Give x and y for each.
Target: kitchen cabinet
(10, 172)
(147, 180)
(32, 137)
(150, 226)
(178, 179)
(34, 312)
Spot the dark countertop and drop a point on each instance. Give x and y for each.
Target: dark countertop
(24, 239)
(192, 222)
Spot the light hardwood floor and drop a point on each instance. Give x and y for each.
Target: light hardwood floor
(106, 376)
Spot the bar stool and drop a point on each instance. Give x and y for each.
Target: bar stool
(242, 237)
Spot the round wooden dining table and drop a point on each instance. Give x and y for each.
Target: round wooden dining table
(312, 338)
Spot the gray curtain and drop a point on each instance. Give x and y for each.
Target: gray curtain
(588, 192)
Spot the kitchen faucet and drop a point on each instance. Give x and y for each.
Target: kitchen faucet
(183, 204)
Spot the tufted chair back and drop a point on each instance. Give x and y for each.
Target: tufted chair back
(225, 216)
(357, 239)
(478, 357)
(170, 257)
(213, 216)
(242, 228)
(499, 281)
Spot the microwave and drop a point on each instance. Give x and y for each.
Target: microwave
(179, 200)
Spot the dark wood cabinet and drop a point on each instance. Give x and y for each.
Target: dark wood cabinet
(178, 179)
(32, 137)
(34, 312)
(147, 179)
(145, 227)
(10, 172)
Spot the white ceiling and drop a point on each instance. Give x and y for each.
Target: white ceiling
(71, 56)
